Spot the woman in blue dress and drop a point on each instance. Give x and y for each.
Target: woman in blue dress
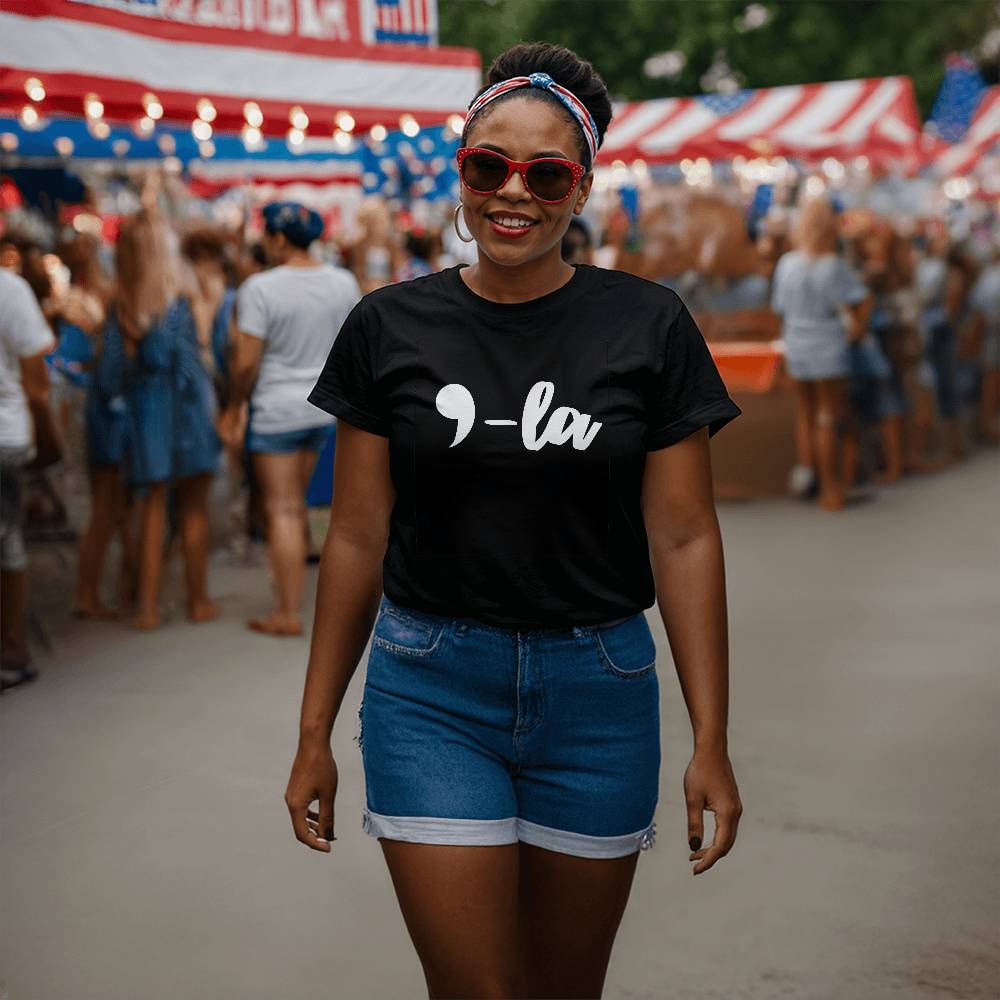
(170, 405)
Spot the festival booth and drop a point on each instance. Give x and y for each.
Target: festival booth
(323, 102)
(701, 180)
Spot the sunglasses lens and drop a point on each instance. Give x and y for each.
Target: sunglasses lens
(483, 171)
(550, 181)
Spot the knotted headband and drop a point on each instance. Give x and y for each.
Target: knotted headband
(544, 82)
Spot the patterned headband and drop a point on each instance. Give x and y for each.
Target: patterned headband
(544, 82)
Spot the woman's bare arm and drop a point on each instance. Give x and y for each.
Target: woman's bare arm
(686, 555)
(347, 600)
(350, 573)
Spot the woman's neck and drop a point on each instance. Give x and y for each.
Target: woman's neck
(301, 258)
(518, 283)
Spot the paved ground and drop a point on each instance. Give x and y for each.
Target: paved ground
(146, 850)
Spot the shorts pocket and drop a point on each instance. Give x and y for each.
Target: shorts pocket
(407, 635)
(627, 649)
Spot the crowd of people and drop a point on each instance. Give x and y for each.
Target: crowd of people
(189, 363)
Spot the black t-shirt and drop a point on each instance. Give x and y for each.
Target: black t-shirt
(518, 435)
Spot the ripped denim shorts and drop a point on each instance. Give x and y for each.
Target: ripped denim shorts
(480, 735)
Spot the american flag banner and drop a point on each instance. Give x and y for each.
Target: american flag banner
(270, 65)
(957, 99)
(874, 117)
(412, 22)
(981, 137)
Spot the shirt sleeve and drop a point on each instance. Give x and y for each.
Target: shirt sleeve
(688, 392)
(251, 312)
(26, 330)
(348, 385)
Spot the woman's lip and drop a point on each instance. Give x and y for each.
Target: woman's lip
(510, 232)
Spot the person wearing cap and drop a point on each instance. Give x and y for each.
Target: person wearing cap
(287, 319)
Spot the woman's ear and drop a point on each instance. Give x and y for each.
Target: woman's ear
(584, 193)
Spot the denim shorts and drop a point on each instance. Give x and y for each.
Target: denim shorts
(474, 734)
(287, 442)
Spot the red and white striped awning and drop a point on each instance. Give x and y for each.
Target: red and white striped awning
(959, 158)
(876, 117)
(282, 55)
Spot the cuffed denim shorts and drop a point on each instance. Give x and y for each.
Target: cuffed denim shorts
(473, 734)
(288, 442)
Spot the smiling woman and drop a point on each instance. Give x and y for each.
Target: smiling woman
(521, 443)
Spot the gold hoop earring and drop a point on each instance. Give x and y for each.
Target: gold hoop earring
(458, 208)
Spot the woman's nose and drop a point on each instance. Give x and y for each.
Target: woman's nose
(515, 189)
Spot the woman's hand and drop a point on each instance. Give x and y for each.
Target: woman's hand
(709, 784)
(232, 425)
(314, 776)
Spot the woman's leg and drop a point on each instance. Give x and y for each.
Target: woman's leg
(105, 511)
(570, 910)
(152, 527)
(460, 907)
(831, 403)
(307, 464)
(192, 498)
(805, 398)
(128, 584)
(892, 448)
(279, 477)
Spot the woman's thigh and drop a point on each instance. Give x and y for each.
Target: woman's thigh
(832, 395)
(460, 907)
(279, 479)
(570, 911)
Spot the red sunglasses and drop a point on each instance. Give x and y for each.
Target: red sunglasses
(550, 179)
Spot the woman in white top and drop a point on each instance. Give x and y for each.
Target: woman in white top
(287, 319)
(824, 306)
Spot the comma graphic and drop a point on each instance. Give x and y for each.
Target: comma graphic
(455, 402)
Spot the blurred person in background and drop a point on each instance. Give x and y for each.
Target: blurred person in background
(577, 246)
(25, 340)
(824, 308)
(110, 497)
(968, 350)
(21, 254)
(80, 314)
(170, 406)
(984, 304)
(43, 506)
(874, 405)
(940, 287)
(213, 298)
(287, 319)
(419, 252)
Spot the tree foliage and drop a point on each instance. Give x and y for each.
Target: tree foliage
(804, 41)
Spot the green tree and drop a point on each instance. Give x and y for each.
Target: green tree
(803, 41)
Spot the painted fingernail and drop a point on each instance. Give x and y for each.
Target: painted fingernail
(694, 843)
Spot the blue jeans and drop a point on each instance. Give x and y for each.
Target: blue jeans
(287, 442)
(475, 734)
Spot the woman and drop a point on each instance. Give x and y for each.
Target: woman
(287, 318)
(81, 363)
(510, 718)
(824, 308)
(170, 407)
(941, 288)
